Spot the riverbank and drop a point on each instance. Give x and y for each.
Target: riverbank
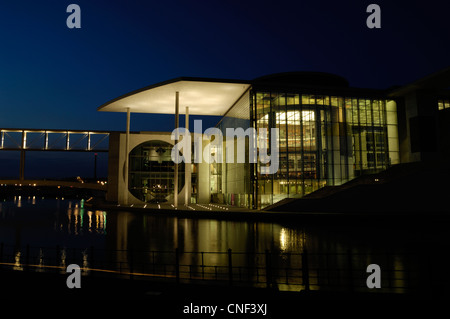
(410, 193)
(225, 212)
(45, 286)
(9, 192)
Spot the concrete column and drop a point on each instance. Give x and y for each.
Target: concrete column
(114, 175)
(127, 150)
(204, 188)
(187, 167)
(175, 191)
(22, 165)
(22, 156)
(67, 141)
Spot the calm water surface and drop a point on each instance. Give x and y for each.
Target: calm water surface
(66, 223)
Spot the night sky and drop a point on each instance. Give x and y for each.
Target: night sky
(55, 77)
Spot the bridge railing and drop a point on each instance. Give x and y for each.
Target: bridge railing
(402, 273)
(54, 140)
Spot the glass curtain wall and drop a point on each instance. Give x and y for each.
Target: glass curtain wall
(323, 140)
(151, 172)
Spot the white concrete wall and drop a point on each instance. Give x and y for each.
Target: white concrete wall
(204, 191)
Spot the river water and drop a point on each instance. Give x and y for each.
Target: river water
(50, 226)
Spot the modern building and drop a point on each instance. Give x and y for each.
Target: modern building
(328, 133)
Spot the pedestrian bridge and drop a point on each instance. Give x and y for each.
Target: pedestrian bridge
(24, 140)
(53, 140)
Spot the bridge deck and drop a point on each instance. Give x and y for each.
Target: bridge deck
(18, 182)
(54, 140)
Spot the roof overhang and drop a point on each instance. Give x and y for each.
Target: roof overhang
(203, 97)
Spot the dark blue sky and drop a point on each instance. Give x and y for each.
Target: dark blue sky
(55, 77)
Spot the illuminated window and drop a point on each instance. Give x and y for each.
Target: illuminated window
(151, 172)
(443, 104)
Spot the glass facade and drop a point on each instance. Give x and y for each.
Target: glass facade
(323, 140)
(443, 104)
(151, 172)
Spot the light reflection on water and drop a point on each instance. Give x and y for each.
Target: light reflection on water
(77, 216)
(67, 223)
(17, 264)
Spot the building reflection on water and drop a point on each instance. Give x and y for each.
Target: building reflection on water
(154, 238)
(205, 242)
(153, 233)
(19, 199)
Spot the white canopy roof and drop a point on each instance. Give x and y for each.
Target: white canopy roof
(203, 96)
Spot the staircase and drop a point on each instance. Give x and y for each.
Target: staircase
(405, 187)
